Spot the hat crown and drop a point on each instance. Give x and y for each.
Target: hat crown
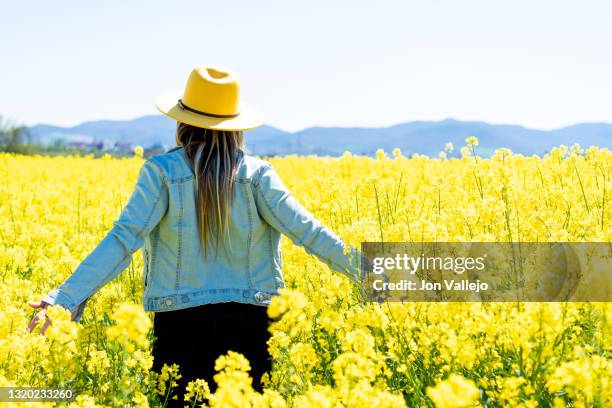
(212, 90)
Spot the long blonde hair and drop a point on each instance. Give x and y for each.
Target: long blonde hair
(217, 154)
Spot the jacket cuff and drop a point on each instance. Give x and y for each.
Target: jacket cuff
(349, 265)
(57, 297)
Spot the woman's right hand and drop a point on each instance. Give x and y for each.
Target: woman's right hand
(42, 305)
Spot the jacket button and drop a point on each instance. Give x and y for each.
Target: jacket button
(169, 302)
(259, 297)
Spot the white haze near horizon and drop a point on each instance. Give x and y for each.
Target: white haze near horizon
(541, 64)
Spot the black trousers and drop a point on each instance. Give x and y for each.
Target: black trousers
(194, 337)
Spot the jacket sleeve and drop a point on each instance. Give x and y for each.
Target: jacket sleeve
(285, 214)
(143, 211)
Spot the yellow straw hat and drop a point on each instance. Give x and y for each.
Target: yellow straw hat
(211, 100)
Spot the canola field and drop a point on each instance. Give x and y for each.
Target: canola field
(329, 349)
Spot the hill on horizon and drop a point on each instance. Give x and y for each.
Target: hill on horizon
(423, 137)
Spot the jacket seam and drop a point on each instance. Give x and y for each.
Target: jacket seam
(160, 171)
(273, 260)
(148, 219)
(146, 266)
(259, 174)
(152, 257)
(179, 239)
(180, 180)
(271, 254)
(249, 239)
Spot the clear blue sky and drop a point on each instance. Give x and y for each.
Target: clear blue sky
(538, 63)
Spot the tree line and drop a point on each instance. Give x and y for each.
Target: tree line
(16, 138)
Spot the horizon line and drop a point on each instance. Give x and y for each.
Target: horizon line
(340, 126)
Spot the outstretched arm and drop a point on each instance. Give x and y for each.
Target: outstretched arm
(143, 211)
(284, 213)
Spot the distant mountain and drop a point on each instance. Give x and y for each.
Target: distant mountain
(145, 131)
(420, 137)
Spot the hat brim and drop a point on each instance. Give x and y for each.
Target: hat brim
(248, 118)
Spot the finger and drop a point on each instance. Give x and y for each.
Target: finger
(33, 323)
(37, 319)
(44, 327)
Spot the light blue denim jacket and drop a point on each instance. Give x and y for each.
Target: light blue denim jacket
(161, 217)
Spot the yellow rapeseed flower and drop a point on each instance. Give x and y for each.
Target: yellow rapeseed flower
(454, 392)
(138, 151)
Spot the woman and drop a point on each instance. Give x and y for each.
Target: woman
(210, 219)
